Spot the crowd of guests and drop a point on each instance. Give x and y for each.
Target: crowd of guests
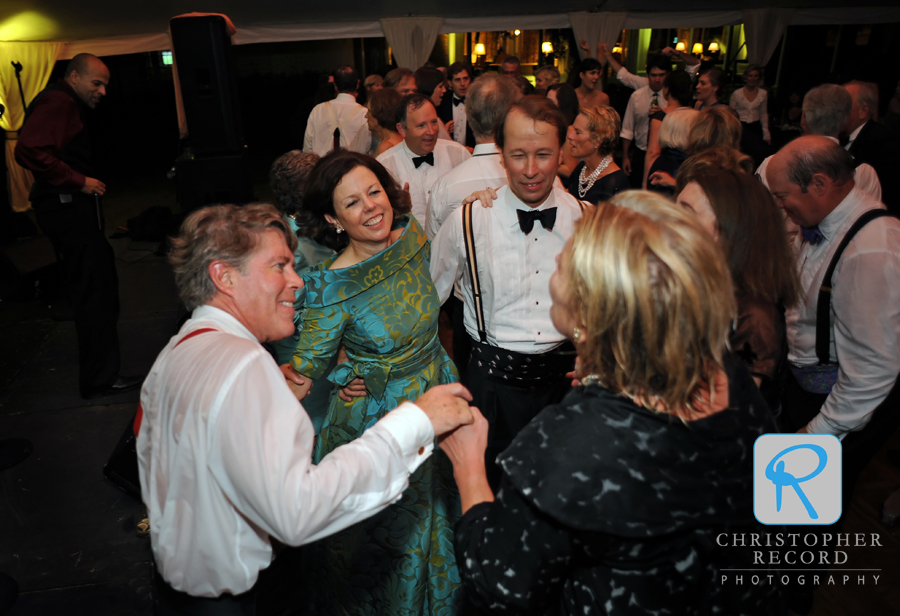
(621, 348)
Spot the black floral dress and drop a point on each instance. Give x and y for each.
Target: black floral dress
(608, 508)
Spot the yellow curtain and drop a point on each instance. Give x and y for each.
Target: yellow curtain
(37, 60)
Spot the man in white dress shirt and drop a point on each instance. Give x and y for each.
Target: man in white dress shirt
(421, 158)
(453, 106)
(339, 122)
(812, 181)
(646, 100)
(519, 360)
(225, 447)
(489, 99)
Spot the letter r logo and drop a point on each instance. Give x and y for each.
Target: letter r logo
(797, 479)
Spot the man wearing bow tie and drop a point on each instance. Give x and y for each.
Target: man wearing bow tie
(519, 360)
(453, 107)
(421, 158)
(836, 388)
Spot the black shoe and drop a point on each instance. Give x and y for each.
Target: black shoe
(122, 384)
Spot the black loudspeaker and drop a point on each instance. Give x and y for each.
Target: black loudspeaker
(211, 180)
(205, 62)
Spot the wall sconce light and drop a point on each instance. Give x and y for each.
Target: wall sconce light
(517, 32)
(680, 46)
(546, 47)
(479, 49)
(713, 47)
(617, 48)
(697, 49)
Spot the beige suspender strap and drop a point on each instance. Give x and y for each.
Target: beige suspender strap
(471, 259)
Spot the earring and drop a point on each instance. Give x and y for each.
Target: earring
(339, 228)
(576, 334)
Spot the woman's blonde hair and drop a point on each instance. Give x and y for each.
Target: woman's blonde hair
(718, 125)
(656, 300)
(676, 129)
(605, 125)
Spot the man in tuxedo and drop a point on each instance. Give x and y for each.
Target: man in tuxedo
(519, 360)
(873, 143)
(421, 158)
(453, 107)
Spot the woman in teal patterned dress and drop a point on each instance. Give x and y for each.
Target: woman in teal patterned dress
(377, 299)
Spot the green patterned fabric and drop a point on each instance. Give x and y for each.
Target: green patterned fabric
(385, 312)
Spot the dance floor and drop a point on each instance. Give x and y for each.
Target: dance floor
(68, 536)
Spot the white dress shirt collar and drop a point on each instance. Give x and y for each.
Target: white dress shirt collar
(486, 149)
(410, 154)
(226, 321)
(835, 220)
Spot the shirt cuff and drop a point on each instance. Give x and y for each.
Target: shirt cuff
(411, 428)
(820, 425)
(627, 134)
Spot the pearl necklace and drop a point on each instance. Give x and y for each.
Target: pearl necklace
(589, 180)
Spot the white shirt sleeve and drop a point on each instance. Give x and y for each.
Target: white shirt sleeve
(691, 69)
(261, 443)
(434, 213)
(867, 343)
(866, 179)
(635, 82)
(446, 257)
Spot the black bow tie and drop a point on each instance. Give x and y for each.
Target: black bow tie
(428, 158)
(458, 101)
(527, 218)
(812, 235)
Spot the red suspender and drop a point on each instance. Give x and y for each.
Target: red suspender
(139, 416)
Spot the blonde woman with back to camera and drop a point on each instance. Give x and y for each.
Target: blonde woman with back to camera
(611, 500)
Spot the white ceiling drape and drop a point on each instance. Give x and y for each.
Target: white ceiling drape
(411, 38)
(596, 28)
(763, 29)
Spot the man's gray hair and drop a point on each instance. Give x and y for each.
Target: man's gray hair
(288, 176)
(826, 109)
(829, 159)
(487, 100)
(867, 95)
(228, 233)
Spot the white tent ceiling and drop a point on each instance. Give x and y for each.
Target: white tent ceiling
(109, 27)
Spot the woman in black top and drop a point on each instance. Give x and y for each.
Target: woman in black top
(678, 93)
(592, 138)
(612, 500)
(673, 138)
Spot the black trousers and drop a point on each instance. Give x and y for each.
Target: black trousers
(638, 158)
(89, 267)
(462, 343)
(508, 409)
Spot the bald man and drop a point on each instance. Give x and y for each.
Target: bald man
(811, 179)
(55, 145)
